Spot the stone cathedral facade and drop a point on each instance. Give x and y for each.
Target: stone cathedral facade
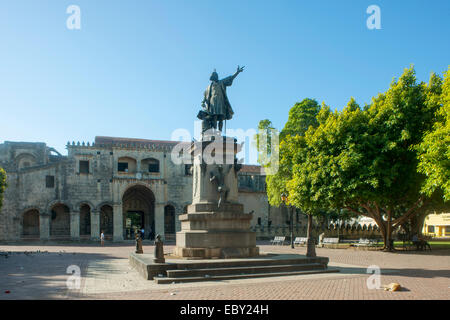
(113, 185)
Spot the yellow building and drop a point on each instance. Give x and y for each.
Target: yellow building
(437, 225)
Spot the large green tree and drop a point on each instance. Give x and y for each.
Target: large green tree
(2, 185)
(364, 160)
(302, 116)
(434, 150)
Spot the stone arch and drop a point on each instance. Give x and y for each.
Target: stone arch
(30, 224)
(132, 185)
(138, 209)
(51, 204)
(175, 205)
(88, 203)
(25, 160)
(59, 221)
(25, 209)
(101, 204)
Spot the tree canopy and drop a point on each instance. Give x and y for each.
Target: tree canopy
(373, 161)
(434, 150)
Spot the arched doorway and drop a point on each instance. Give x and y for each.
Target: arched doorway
(169, 222)
(60, 222)
(30, 224)
(85, 221)
(107, 221)
(138, 211)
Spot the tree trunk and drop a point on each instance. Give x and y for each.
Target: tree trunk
(417, 222)
(311, 245)
(378, 217)
(388, 244)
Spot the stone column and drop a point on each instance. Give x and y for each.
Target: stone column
(44, 226)
(75, 225)
(95, 225)
(159, 219)
(118, 222)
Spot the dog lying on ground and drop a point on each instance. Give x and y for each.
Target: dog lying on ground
(392, 287)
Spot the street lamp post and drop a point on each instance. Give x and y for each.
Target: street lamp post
(292, 227)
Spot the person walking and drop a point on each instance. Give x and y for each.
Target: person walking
(102, 239)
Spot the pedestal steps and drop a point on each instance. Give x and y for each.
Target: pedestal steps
(266, 265)
(232, 263)
(242, 270)
(240, 273)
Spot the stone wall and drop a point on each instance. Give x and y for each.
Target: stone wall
(29, 166)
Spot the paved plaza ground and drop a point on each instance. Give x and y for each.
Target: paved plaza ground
(105, 274)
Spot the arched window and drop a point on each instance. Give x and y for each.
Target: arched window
(150, 165)
(30, 224)
(126, 164)
(169, 219)
(25, 160)
(60, 221)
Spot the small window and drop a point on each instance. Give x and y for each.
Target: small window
(188, 169)
(84, 166)
(153, 166)
(122, 167)
(430, 229)
(26, 164)
(50, 181)
(259, 221)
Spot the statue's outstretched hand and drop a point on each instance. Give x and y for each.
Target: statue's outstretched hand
(240, 69)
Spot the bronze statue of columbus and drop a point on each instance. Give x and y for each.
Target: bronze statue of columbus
(215, 104)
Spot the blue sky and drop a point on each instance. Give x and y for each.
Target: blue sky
(138, 68)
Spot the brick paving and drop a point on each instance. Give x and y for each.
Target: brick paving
(105, 274)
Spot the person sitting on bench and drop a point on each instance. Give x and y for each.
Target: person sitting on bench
(415, 241)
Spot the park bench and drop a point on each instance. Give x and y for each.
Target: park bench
(366, 243)
(421, 245)
(330, 240)
(278, 240)
(300, 240)
(411, 244)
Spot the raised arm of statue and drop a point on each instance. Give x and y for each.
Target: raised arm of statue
(239, 70)
(228, 81)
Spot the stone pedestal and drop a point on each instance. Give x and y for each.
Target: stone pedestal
(215, 225)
